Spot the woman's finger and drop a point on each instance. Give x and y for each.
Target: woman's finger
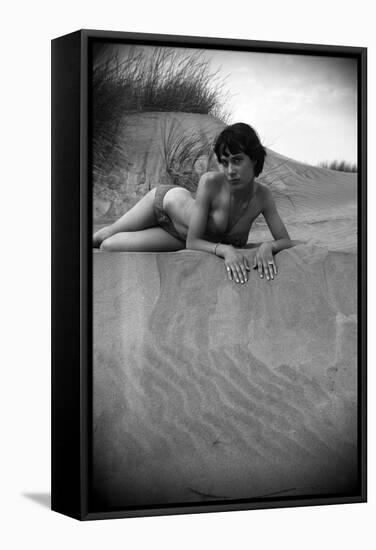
(238, 274)
(243, 272)
(266, 270)
(255, 261)
(234, 275)
(259, 265)
(229, 274)
(272, 267)
(246, 264)
(269, 270)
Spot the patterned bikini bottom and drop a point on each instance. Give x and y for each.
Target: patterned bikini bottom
(163, 219)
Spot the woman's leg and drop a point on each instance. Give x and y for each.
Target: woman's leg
(140, 216)
(154, 239)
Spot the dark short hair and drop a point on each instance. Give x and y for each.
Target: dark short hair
(241, 138)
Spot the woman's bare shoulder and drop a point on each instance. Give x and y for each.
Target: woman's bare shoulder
(211, 180)
(264, 193)
(213, 177)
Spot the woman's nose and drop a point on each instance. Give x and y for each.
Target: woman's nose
(231, 168)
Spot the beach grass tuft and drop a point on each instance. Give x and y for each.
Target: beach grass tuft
(146, 80)
(338, 165)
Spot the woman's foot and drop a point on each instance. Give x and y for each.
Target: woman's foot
(100, 236)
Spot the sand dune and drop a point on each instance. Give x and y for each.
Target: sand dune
(317, 205)
(204, 389)
(154, 148)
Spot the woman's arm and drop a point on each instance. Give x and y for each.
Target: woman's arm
(236, 264)
(264, 260)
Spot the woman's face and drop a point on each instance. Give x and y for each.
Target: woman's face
(238, 168)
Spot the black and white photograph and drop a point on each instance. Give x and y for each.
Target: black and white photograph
(225, 199)
(188, 195)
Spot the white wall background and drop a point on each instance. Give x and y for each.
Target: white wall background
(27, 28)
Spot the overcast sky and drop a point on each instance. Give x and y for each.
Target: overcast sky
(304, 107)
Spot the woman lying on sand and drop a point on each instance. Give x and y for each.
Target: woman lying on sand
(218, 221)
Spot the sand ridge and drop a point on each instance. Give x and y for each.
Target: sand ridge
(204, 389)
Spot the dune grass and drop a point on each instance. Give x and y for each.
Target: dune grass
(339, 166)
(144, 80)
(186, 156)
(159, 79)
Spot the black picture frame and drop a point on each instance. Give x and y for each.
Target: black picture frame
(72, 285)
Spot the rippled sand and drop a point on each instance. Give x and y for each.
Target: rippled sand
(205, 390)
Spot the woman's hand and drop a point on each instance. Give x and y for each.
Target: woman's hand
(236, 265)
(264, 261)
